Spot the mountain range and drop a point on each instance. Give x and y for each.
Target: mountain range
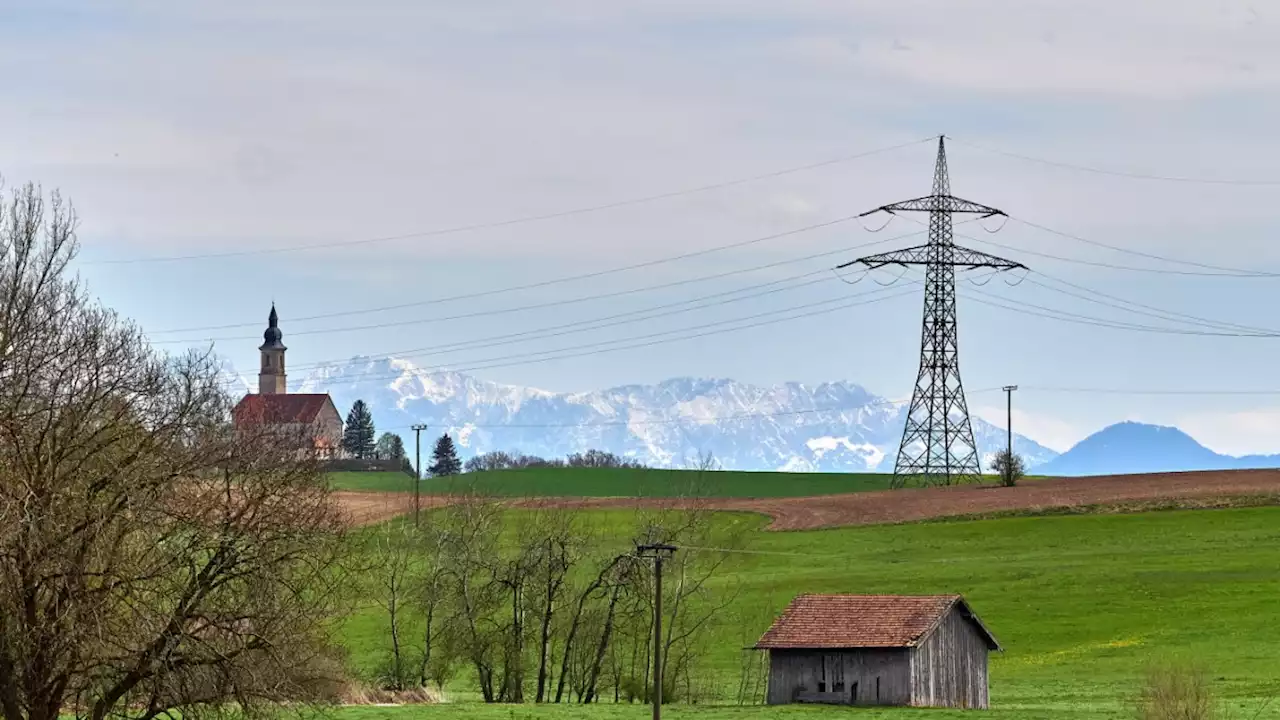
(824, 427)
(798, 427)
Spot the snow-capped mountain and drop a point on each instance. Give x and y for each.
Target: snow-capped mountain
(835, 426)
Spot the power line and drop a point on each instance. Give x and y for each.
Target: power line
(555, 281)
(844, 408)
(530, 358)
(1139, 253)
(517, 220)
(1158, 312)
(1065, 316)
(596, 323)
(687, 420)
(538, 306)
(1111, 266)
(1119, 173)
(1132, 391)
(696, 420)
(1228, 272)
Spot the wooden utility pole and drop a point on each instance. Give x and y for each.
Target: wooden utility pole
(658, 552)
(1008, 395)
(417, 469)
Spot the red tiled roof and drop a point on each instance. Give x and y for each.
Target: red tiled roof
(272, 409)
(862, 621)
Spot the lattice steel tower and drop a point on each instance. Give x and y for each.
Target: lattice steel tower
(937, 445)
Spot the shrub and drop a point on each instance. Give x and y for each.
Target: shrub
(1009, 468)
(1174, 691)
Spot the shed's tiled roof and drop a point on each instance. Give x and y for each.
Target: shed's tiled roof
(284, 408)
(862, 621)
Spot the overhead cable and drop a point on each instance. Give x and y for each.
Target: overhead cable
(564, 279)
(515, 220)
(1119, 173)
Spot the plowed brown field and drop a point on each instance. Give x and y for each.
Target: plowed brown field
(367, 508)
(890, 506)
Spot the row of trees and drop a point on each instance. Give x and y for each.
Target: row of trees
(542, 605)
(499, 460)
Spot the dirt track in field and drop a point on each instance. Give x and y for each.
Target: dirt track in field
(891, 506)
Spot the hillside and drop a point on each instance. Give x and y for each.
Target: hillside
(800, 427)
(1132, 447)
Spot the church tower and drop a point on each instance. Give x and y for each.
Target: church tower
(271, 376)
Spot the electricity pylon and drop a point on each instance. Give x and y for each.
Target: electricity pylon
(937, 445)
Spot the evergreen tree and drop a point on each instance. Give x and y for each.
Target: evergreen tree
(390, 447)
(445, 457)
(358, 435)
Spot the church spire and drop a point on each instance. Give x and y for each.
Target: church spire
(273, 335)
(271, 378)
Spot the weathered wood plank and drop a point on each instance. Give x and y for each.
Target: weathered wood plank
(949, 668)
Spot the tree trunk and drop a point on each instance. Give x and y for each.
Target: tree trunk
(544, 639)
(427, 639)
(605, 635)
(577, 622)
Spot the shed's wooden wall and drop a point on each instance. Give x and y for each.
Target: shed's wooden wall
(879, 677)
(949, 668)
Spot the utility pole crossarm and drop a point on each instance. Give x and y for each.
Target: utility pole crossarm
(938, 203)
(962, 259)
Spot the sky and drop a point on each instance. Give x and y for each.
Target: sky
(187, 131)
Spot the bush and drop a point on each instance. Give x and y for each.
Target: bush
(1173, 691)
(1009, 467)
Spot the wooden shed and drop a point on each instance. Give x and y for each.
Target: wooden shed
(925, 651)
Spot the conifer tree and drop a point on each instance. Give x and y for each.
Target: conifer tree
(358, 436)
(445, 458)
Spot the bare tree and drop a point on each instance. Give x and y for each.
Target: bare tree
(393, 568)
(432, 600)
(469, 546)
(560, 539)
(1009, 468)
(151, 560)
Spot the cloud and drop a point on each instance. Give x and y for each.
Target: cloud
(322, 123)
(183, 128)
(1145, 49)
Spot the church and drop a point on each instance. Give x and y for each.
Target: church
(308, 419)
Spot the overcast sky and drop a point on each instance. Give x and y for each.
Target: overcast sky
(196, 129)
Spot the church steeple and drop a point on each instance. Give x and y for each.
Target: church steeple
(271, 378)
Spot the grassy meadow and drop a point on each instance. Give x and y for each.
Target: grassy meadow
(619, 482)
(615, 482)
(1081, 604)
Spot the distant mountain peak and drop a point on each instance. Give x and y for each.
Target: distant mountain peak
(1136, 447)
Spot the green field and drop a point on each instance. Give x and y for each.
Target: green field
(1081, 604)
(613, 482)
